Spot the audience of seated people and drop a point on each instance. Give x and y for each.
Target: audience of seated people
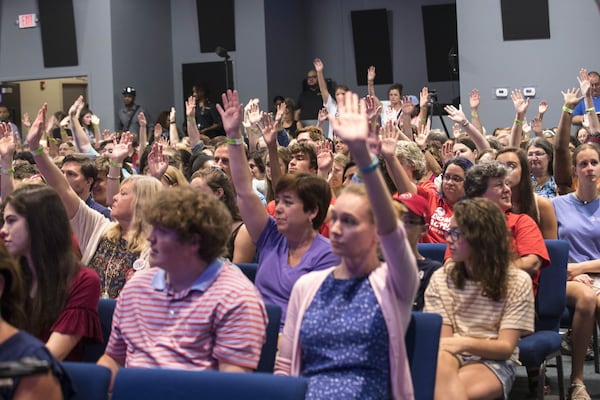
(287, 195)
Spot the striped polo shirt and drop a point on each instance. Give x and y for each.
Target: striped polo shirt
(220, 317)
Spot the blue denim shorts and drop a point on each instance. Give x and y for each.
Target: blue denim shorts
(505, 370)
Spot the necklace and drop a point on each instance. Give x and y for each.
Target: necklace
(585, 202)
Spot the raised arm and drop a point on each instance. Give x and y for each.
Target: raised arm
(252, 117)
(542, 108)
(143, 133)
(81, 140)
(8, 144)
(269, 133)
(474, 101)
(190, 121)
(173, 133)
(458, 116)
(371, 81)
(120, 152)
(321, 79)
(53, 176)
(96, 128)
(562, 157)
(254, 214)
(158, 162)
(389, 140)
(590, 109)
(521, 104)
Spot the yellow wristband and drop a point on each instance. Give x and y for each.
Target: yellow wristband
(518, 121)
(235, 141)
(590, 110)
(38, 151)
(567, 110)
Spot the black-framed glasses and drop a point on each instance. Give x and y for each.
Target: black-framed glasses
(452, 233)
(454, 178)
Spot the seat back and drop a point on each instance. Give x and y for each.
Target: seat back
(433, 251)
(422, 342)
(150, 384)
(551, 295)
(249, 269)
(93, 351)
(269, 349)
(90, 381)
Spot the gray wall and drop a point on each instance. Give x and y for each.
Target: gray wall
(141, 53)
(551, 65)
(21, 50)
(249, 59)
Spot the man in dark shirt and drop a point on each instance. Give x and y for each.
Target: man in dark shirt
(309, 101)
(128, 115)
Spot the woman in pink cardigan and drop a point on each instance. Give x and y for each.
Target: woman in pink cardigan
(345, 326)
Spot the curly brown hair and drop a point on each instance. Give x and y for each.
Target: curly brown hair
(483, 225)
(192, 214)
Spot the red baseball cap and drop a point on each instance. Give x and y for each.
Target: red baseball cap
(416, 204)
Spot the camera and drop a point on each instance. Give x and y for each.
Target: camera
(433, 96)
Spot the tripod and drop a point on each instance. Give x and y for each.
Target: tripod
(435, 108)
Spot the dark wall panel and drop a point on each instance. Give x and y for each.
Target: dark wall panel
(59, 42)
(372, 45)
(522, 20)
(211, 74)
(441, 42)
(216, 24)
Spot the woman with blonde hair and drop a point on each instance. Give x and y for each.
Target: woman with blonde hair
(113, 249)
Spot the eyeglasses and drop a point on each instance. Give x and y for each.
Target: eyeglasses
(538, 154)
(452, 233)
(454, 178)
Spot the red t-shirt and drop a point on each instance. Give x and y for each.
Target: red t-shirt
(441, 214)
(526, 239)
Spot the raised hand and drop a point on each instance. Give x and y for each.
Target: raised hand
(318, 64)
(157, 161)
(281, 109)
(421, 137)
(142, 119)
(536, 126)
(526, 126)
(351, 124)
(371, 73)
(8, 142)
(267, 128)
(231, 113)
(542, 107)
(254, 113)
(190, 107)
(446, 153)
(456, 130)
(571, 97)
(76, 107)
(25, 120)
(323, 115)
(389, 139)
(424, 97)
(123, 148)
(172, 115)
(95, 120)
(456, 114)
(584, 82)
(519, 102)
(37, 128)
(407, 106)
(324, 155)
(373, 109)
(474, 99)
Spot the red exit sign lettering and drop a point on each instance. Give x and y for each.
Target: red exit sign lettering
(27, 21)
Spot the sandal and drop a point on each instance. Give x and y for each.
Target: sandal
(577, 391)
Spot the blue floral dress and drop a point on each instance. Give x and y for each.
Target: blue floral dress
(345, 344)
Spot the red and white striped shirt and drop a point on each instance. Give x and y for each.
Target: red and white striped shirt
(219, 318)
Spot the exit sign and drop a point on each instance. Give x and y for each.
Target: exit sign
(27, 21)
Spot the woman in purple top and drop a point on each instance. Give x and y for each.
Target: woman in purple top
(289, 244)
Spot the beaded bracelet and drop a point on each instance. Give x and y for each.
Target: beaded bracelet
(38, 151)
(235, 141)
(7, 171)
(567, 110)
(114, 164)
(371, 167)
